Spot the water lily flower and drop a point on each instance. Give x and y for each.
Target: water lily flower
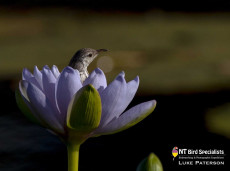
(76, 111)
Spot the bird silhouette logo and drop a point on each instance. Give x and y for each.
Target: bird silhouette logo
(175, 152)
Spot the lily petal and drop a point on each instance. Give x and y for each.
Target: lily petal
(112, 99)
(127, 119)
(132, 87)
(131, 90)
(41, 104)
(97, 79)
(23, 86)
(48, 81)
(55, 71)
(28, 76)
(67, 85)
(38, 76)
(25, 107)
(116, 97)
(22, 98)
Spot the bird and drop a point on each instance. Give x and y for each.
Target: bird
(81, 60)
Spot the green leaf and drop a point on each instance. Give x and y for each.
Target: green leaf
(23, 107)
(151, 163)
(84, 111)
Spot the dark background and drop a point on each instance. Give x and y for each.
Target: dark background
(130, 5)
(186, 71)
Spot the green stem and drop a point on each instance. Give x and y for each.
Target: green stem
(73, 156)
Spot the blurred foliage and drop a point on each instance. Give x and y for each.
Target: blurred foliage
(218, 120)
(171, 52)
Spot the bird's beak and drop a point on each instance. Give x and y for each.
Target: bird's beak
(102, 50)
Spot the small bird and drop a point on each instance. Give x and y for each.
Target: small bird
(81, 60)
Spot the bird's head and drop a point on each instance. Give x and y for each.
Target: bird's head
(87, 55)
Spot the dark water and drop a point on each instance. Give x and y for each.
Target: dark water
(177, 121)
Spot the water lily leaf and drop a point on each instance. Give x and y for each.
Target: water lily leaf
(84, 110)
(150, 163)
(23, 107)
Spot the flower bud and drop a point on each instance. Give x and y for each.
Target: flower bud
(84, 112)
(150, 163)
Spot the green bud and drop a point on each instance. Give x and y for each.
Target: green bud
(84, 111)
(150, 163)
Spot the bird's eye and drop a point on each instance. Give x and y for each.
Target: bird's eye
(90, 55)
